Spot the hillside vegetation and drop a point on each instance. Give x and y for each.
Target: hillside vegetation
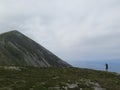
(31, 78)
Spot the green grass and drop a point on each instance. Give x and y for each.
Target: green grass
(29, 78)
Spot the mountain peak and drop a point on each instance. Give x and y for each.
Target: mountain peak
(18, 49)
(11, 33)
(15, 31)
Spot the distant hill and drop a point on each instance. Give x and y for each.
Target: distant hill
(18, 50)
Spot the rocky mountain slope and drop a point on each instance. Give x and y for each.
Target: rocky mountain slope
(18, 50)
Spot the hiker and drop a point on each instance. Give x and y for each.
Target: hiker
(106, 67)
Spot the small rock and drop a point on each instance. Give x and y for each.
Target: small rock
(81, 89)
(72, 86)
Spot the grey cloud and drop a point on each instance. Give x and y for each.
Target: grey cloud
(74, 30)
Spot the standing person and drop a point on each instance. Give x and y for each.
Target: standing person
(106, 67)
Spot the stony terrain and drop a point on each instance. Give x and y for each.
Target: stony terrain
(31, 78)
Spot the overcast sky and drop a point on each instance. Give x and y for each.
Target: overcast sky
(74, 30)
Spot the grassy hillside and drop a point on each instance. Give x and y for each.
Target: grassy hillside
(29, 78)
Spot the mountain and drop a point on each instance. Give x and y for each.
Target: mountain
(18, 50)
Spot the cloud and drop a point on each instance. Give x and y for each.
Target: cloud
(74, 30)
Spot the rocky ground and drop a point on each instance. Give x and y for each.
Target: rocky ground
(29, 78)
